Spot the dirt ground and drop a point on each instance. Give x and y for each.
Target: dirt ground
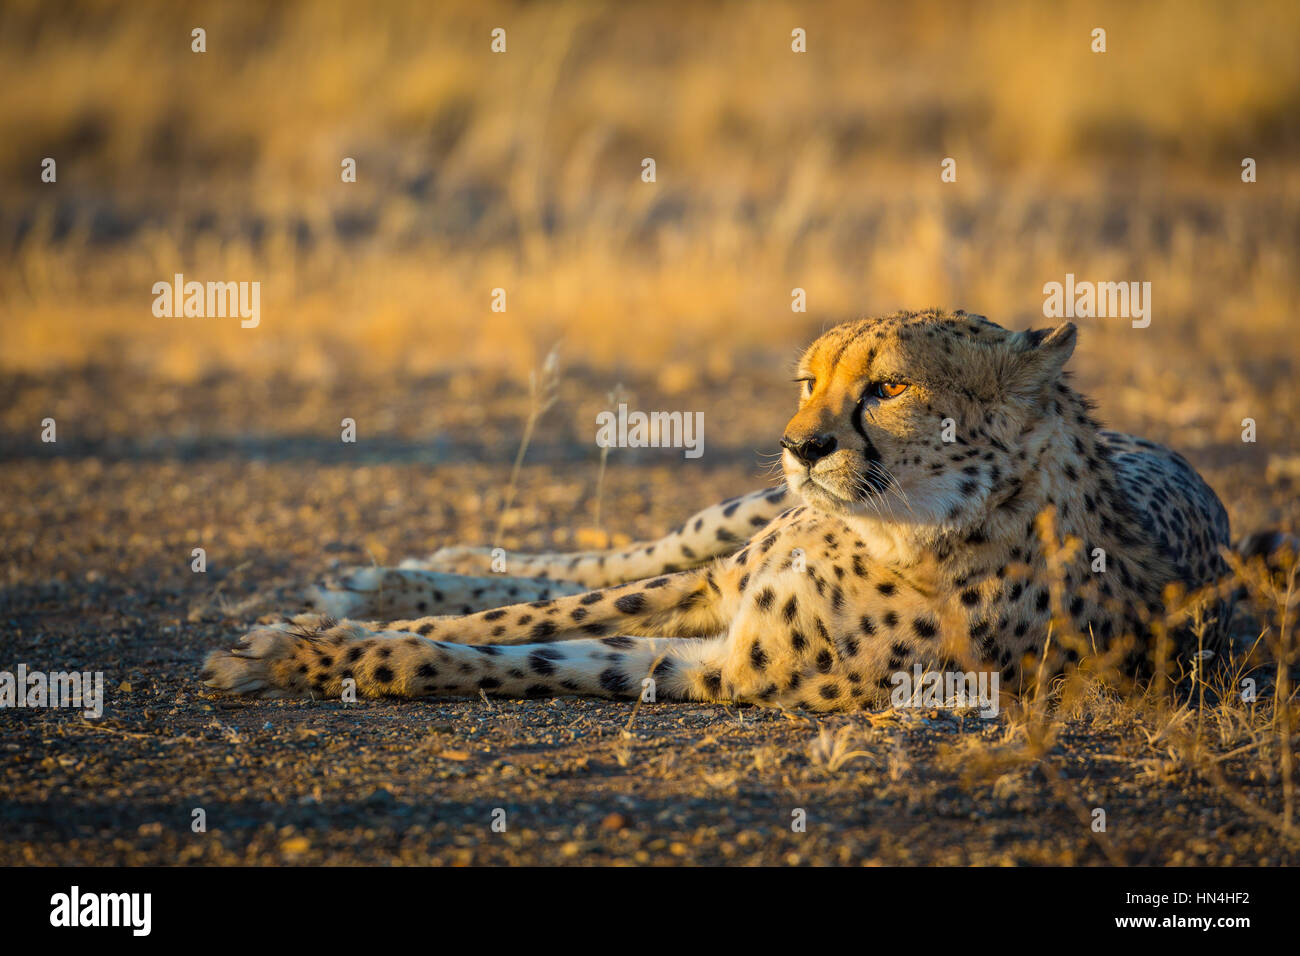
(98, 531)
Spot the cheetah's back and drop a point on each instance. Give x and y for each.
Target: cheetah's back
(1174, 505)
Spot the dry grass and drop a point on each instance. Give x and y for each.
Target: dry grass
(521, 171)
(543, 388)
(832, 750)
(1229, 722)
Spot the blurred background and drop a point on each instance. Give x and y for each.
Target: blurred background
(522, 171)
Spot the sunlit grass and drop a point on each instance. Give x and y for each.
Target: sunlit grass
(522, 171)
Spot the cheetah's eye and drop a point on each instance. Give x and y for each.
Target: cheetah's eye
(886, 390)
(806, 384)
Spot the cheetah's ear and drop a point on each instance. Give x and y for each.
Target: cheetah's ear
(1041, 354)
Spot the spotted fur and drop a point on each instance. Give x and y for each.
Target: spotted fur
(951, 526)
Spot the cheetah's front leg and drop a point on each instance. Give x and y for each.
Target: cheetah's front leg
(389, 593)
(297, 657)
(294, 660)
(686, 604)
(714, 532)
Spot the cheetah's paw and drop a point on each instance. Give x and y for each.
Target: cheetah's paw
(258, 664)
(349, 595)
(456, 559)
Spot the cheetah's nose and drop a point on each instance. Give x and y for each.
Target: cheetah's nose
(809, 450)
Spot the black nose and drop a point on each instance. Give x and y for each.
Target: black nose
(810, 450)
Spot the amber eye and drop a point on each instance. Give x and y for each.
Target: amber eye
(886, 390)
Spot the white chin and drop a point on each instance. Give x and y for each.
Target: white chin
(819, 497)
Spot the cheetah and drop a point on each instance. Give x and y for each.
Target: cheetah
(949, 503)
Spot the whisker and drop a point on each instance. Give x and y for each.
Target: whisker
(894, 485)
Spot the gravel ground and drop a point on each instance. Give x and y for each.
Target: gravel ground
(97, 533)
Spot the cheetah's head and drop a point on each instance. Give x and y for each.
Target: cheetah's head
(921, 419)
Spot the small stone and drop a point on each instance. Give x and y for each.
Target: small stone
(295, 845)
